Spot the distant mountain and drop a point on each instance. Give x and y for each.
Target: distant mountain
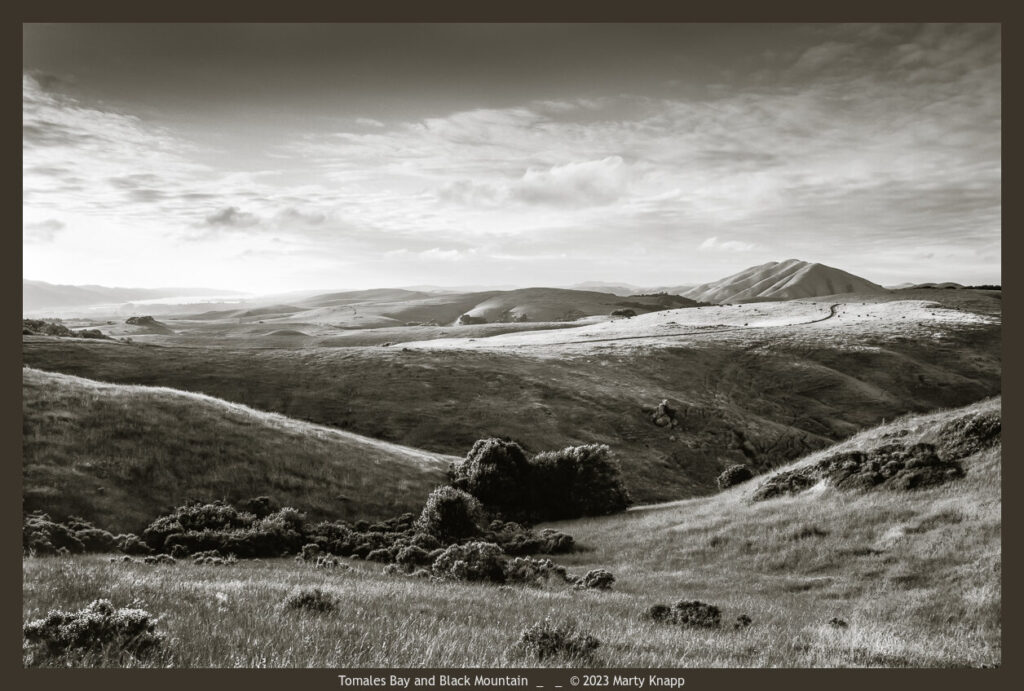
(917, 286)
(39, 295)
(621, 289)
(787, 280)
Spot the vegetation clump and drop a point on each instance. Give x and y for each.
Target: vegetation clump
(968, 434)
(100, 628)
(451, 515)
(595, 579)
(892, 466)
(690, 613)
(472, 561)
(546, 640)
(311, 600)
(42, 536)
(734, 475)
(569, 483)
(535, 572)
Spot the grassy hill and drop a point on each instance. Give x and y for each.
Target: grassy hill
(119, 455)
(762, 394)
(916, 575)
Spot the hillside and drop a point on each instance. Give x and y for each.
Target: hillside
(559, 304)
(785, 280)
(118, 455)
(915, 575)
(761, 383)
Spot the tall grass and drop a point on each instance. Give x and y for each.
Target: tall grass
(915, 574)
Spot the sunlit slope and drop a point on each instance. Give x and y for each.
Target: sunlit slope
(119, 455)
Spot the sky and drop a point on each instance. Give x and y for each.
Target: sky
(276, 157)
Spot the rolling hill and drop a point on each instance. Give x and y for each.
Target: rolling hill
(784, 280)
(119, 455)
(760, 383)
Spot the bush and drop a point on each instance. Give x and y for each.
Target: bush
(514, 539)
(473, 561)
(742, 622)
(98, 628)
(412, 555)
(696, 613)
(969, 434)
(691, 613)
(497, 473)
(892, 467)
(43, 536)
(734, 475)
(546, 640)
(311, 600)
(97, 540)
(451, 515)
(130, 543)
(535, 572)
(596, 579)
(577, 481)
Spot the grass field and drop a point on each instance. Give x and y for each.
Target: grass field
(762, 395)
(916, 574)
(118, 455)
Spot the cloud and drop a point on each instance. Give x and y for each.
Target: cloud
(231, 217)
(43, 231)
(575, 184)
(714, 244)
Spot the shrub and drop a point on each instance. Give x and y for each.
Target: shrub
(837, 623)
(311, 600)
(380, 555)
(691, 613)
(98, 628)
(310, 552)
(892, 467)
(514, 539)
(547, 640)
(473, 561)
(159, 559)
(534, 572)
(623, 313)
(734, 475)
(577, 481)
(742, 622)
(97, 540)
(969, 434)
(596, 579)
(412, 555)
(696, 613)
(497, 473)
(259, 507)
(43, 536)
(130, 543)
(450, 515)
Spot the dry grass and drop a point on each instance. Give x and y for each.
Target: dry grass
(916, 575)
(787, 391)
(118, 455)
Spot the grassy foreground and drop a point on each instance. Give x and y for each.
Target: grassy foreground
(916, 575)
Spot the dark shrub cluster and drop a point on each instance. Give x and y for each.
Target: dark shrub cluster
(535, 572)
(595, 579)
(692, 613)
(546, 640)
(734, 475)
(451, 515)
(569, 483)
(99, 628)
(41, 536)
(742, 622)
(837, 623)
(969, 434)
(472, 561)
(311, 600)
(893, 466)
(220, 527)
(515, 539)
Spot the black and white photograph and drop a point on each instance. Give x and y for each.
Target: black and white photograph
(465, 346)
